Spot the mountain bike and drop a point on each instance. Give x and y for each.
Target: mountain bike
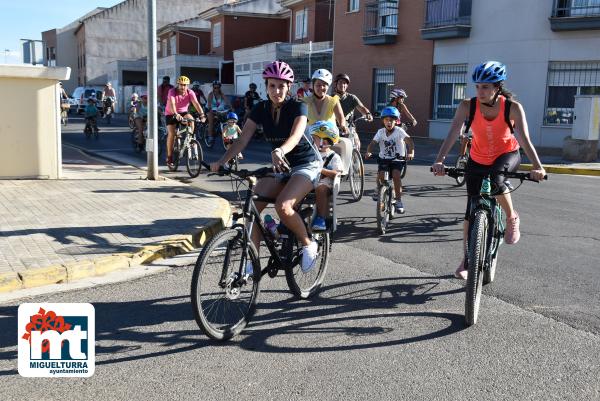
(486, 234)
(462, 159)
(186, 146)
(224, 294)
(385, 196)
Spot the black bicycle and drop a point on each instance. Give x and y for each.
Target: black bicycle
(486, 234)
(224, 294)
(186, 146)
(385, 197)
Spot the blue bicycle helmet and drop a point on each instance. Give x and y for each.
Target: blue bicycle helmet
(390, 111)
(489, 72)
(232, 116)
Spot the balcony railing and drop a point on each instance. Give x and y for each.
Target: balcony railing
(447, 19)
(381, 22)
(575, 15)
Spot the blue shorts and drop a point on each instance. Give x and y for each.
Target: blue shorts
(312, 171)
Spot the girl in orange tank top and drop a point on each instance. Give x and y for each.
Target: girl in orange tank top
(491, 138)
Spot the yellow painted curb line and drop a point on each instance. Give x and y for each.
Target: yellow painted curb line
(564, 170)
(170, 247)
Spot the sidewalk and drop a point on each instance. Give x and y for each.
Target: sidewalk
(99, 218)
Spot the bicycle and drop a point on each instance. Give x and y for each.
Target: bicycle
(462, 159)
(131, 120)
(91, 127)
(385, 197)
(108, 109)
(354, 168)
(220, 122)
(189, 149)
(138, 141)
(234, 163)
(223, 296)
(486, 234)
(201, 131)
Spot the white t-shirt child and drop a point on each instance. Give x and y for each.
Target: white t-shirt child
(334, 164)
(392, 145)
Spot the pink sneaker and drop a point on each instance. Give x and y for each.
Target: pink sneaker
(512, 233)
(461, 272)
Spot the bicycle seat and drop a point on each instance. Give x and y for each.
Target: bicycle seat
(344, 149)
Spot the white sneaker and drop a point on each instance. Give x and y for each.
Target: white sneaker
(309, 257)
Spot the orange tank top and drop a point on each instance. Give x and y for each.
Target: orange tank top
(491, 138)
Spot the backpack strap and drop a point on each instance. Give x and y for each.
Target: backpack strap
(507, 104)
(469, 121)
(328, 159)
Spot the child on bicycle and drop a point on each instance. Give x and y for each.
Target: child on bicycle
(91, 112)
(392, 140)
(325, 134)
(231, 131)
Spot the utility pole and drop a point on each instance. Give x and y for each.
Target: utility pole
(152, 142)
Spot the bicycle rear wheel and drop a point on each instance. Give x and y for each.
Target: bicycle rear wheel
(223, 302)
(476, 257)
(357, 175)
(383, 213)
(194, 158)
(305, 285)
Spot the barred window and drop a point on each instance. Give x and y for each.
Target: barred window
(565, 80)
(383, 83)
(301, 24)
(216, 35)
(353, 5)
(450, 90)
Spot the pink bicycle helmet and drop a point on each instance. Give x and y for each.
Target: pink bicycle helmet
(279, 70)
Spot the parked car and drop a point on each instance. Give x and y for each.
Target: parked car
(74, 98)
(86, 94)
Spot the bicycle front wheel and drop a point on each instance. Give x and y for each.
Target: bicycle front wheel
(383, 212)
(305, 285)
(490, 272)
(461, 163)
(476, 257)
(357, 175)
(223, 301)
(131, 122)
(175, 161)
(194, 158)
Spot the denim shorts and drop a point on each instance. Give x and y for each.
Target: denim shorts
(312, 171)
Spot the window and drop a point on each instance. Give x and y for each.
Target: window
(585, 7)
(383, 83)
(301, 24)
(565, 80)
(388, 17)
(450, 89)
(163, 48)
(353, 5)
(216, 35)
(173, 44)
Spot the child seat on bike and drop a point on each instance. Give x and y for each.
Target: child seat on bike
(344, 149)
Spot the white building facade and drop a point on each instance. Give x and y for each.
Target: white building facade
(551, 49)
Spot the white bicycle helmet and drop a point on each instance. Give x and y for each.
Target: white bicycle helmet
(323, 75)
(195, 83)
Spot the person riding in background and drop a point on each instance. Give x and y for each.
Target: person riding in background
(216, 102)
(494, 146)
(178, 101)
(163, 90)
(251, 98)
(284, 124)
(305, 90)
(199, 94)
(321, 106)
(141, 117)
(393, 143)
(350, 102)
(397, 97)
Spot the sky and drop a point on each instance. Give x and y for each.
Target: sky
(27, 19)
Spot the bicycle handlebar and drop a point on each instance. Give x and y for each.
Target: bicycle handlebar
(242, 174)
(458, 172)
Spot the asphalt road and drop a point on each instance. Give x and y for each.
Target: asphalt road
(387, 325)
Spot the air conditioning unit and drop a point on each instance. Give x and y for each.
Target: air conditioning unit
(586, 123)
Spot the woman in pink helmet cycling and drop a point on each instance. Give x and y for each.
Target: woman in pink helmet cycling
(284, 122)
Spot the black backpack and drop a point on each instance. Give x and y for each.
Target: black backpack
(473, 105)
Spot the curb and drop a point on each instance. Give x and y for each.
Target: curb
(564, 170)
(67, 273)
